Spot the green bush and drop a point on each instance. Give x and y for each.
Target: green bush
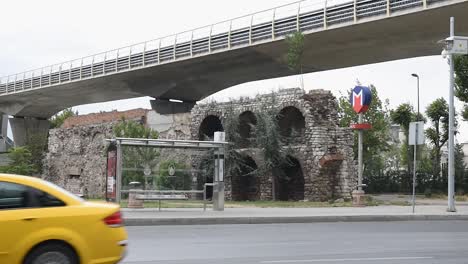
(21, 162)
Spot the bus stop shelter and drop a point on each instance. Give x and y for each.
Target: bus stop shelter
(155, 148)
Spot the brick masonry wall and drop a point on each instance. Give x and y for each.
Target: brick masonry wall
(76, 158)
(323, 149)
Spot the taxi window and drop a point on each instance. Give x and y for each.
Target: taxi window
(13, 195)
(43, 199)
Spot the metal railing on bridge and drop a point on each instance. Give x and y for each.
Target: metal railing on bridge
(264, 26)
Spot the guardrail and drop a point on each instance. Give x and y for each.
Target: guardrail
(262, 26)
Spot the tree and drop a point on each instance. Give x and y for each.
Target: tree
(37, 146)
(132, 129)
(437, 113)
(295, 51)
(21, 162)
(136, 158)
(403, 115)
(461, 178)
(461, 82)
(234, 159)
(375, 141)
(269, 141)
(57, 120)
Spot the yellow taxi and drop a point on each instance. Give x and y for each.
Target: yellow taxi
(41, 223)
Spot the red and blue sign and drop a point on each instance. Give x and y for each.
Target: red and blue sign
(361, 98)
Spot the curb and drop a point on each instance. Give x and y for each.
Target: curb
(287, 220)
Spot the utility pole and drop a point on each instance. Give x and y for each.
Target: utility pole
(453, 45)
(451, 165)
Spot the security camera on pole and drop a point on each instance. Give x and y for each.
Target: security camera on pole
(361, 98)
(453, 45)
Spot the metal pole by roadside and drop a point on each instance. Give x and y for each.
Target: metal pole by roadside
(415, 145)
(451, 165)
(360, 155)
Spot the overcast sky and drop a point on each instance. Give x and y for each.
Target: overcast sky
(38, 33)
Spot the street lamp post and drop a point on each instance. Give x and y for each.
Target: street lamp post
(415, 145)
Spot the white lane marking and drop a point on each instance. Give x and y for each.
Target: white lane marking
(342, 260)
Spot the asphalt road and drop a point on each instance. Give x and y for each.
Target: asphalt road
(370, 242)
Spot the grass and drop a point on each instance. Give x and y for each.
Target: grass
(169, 204)
(438, 196)
(284, 204)
(252, 204)
(370, 201)
(260, 204)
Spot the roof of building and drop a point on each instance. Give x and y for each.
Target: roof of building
(104, 117)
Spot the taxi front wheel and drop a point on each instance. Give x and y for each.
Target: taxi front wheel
(49, 253)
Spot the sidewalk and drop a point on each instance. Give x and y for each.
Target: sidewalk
(196, 216)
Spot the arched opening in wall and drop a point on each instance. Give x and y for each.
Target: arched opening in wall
(290, 181)
(247, 121)
(208, 127)
(244, 182)
(291, 122)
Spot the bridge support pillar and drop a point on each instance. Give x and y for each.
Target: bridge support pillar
(166, 107)
(3, 132)
(28, 129)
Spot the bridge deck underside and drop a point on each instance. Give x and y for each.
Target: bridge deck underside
(372, 40)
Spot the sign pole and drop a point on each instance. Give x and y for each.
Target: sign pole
(360, 155)
(415, 166)
(361, 98)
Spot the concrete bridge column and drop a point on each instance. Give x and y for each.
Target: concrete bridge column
(3, 132)
(26, 129)
(166, 107)
(170, 119)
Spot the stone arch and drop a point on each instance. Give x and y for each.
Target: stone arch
(245, 182)
(247, 120)
(289, 180)
(209, 126)
(291, 121)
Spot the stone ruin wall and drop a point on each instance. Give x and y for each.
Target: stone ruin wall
(76, 157)
(323, 150)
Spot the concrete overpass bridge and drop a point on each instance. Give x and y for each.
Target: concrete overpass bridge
(192, 65)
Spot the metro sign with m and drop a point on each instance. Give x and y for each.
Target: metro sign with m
(360, 99)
